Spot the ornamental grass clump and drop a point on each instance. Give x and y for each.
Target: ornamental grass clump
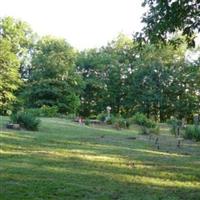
(26, 120)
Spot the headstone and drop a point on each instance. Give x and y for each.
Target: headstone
(16, 126)
(13, 126)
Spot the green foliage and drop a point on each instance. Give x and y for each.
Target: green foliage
(120, 122)
(102, 117)
(110, 120)
(34, 111)
(54, 56)
(144, 130)
(147, 126)
(52, 92)
(21, 39)
(104, 71)
(154, 80)
(44, 111)
(142, 120)
(93, 117)
(192, 132)
(71, 116)
(164, 17)
(162, 84)
(9, 75)
(48, 111)
(174, 124)
(17, 32)
(87, 121)
(155, 130)
(26, 120)
(53, 80)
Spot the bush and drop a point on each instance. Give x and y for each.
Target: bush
(93, 117)
(111, 120)
(71, 116)
(44, 111)
(155, 130)
(26, 120)
(147, 125)
(142, 120)
(102, 117)
(174, 124)
(121, 122)
(144, 130)
(87, 122)
(192, 132)
(60, 115)
(48, 111)
(34, 111)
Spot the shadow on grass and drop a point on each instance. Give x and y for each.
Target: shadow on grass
(67, 163)
(39, 176)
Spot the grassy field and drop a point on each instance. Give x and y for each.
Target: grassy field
(64, 160)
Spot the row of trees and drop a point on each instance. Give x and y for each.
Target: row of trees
(155, 79)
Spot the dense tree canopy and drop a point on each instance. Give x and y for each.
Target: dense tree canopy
(15, 39)
(156, 79)
(9, 76)
(21, 39)
(52, 79)
(169, 16)
(52, 58)
(160, 83)
(104, 71)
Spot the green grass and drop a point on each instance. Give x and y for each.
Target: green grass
(67, 161)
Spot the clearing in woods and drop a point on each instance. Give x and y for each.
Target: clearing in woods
(65, 160)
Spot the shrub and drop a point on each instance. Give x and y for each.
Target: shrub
(34, 111)
(174, 124)
(48, 111)
(192, 132)
(102, 117)
(26, 120)
(155, 130)
(61, 115)
(71, 116)
(92, 117)
(147, 125)
(111, 120)
(142, 120)
(144, 130)
(44, 111)
(87, 122)
(121, 122)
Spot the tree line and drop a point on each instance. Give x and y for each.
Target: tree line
(152, 78)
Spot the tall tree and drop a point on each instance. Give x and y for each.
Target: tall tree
(92, 64)
(163, 84)
(9, 76)
(53, 80)
(122, 56)
(21, 38)
(105, 71)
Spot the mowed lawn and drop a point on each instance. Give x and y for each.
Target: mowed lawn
(65, 160)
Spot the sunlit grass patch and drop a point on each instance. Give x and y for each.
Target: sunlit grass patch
(67, 161)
